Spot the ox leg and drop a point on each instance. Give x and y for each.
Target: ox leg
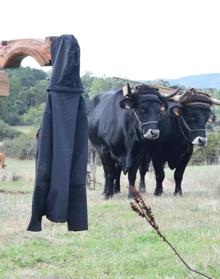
(132, 173)
(178, 174)
(109, 171)
(105, 169)
(110, 189)
(106, 181)
(142, 185)
(143, 169)
(117, 185)
(159, 176)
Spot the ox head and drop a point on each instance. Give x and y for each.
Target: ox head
(193, 111)
(146, 107)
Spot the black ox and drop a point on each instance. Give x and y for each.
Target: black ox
(182, 127)
(119, 124)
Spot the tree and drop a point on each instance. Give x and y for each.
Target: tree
(27, 89)
(33, 115)
(100, 84)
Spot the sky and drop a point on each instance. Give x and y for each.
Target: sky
(134, 39)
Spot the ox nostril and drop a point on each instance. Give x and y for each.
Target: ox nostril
(200, 141)
(151, 134)
(155, 133)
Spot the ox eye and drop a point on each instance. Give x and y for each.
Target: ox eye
(192, 118)
(143, 110)
(162, 108)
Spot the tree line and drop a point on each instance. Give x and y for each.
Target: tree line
(25, 106)
(28, 90)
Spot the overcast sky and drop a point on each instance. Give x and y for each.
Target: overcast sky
(136, 39)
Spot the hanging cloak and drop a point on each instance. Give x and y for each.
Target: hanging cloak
(62, 146)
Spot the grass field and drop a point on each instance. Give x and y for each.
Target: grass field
(118, 244)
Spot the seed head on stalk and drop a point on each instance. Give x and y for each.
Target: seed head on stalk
(139, 206)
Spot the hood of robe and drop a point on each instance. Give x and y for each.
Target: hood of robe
(65, 56)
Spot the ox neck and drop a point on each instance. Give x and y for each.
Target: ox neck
(172, 130)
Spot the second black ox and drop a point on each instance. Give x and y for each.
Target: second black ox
(182, 127)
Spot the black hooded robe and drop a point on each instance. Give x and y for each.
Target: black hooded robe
(62, 147)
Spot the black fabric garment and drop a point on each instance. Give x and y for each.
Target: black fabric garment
(62, 148)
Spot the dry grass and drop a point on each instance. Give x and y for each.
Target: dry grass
(117, 245)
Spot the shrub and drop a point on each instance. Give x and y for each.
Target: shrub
(23, 147)
(33, 115)
(209, 154)
(6, 132)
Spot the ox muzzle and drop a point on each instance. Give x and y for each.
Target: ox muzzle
(194, 136)
(151, 134)
(148, 129)
(200, 141)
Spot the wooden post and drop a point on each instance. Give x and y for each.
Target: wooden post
(4, 84)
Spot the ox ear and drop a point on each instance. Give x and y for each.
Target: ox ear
(126, 89)
(176, 111)
(162, 108)
(212, 118)
(126, 103)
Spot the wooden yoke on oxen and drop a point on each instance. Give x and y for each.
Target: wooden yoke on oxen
(14, 51)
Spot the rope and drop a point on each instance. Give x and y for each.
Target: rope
(141, 124)
(188, 128)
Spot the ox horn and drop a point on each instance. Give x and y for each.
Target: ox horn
(215, 101)
(170, 95)
(180, 97)
(126, 89)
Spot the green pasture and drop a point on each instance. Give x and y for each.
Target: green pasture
(118, 244)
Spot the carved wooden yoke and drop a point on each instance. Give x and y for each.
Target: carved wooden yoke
(14, 51)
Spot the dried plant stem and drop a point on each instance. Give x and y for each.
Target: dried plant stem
(145, 212)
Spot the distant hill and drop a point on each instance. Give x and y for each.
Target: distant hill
(198, 81)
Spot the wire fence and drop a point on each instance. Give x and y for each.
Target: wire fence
(201, 156)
